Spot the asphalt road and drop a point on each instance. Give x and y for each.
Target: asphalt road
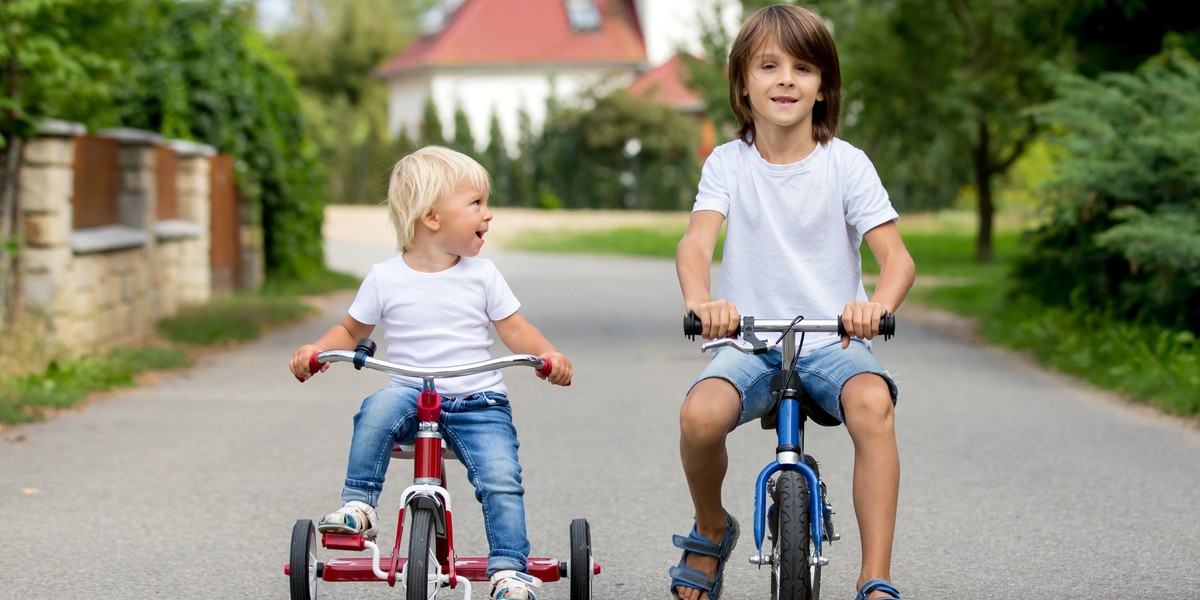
(1016, 483)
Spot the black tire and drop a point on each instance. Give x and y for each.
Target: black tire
(792, 578)
(421, 571)
(303, 564)
(580, 572)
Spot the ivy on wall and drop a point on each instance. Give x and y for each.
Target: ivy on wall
(200, 71)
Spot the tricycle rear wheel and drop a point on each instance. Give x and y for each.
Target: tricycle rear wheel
(303, 564)
(580, 572)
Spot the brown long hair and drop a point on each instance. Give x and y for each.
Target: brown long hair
(800, 33)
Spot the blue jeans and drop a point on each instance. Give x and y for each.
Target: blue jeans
(822, 375)
(479, 429)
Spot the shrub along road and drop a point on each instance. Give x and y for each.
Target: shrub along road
(1016, 483)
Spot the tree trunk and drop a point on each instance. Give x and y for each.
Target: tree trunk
(983, 185)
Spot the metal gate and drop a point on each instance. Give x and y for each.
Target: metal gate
(225, 226)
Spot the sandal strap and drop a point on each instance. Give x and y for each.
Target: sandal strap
(697, 544)
(691, 578)
(878, 585)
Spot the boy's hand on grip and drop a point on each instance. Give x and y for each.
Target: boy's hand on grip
(861, 320)
(720, 318)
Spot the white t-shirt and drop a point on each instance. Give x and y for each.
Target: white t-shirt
(437, 319)
(793, 232)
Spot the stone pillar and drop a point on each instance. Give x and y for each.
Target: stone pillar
(194, 195)
(141, 288)
(46, 184)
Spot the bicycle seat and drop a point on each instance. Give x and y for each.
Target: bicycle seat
(809, 407)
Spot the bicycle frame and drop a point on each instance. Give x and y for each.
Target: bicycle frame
(789, 456)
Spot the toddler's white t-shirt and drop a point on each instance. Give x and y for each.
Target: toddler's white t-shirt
(437, 319)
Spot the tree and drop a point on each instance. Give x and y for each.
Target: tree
(938, 92)
(1123, 231)
(496, 160)
(333, 46)
(612, 150)
(199, 71)
(463, 140)
(432, 132)
(523, 181)
(53, 63)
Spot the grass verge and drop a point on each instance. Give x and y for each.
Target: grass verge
(65, 382)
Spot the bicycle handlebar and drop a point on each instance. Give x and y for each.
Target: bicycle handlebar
(362, 357)
(692, 326)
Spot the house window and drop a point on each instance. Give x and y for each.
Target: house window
(435, 19)
(583, 15)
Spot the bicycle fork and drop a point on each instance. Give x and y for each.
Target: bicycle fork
(789, 456)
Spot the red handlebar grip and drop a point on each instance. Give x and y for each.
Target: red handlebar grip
(546, 370)
(314, 365)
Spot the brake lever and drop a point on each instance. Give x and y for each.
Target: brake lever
(746, 347)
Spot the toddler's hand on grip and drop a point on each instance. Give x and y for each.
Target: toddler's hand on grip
(302, 363)
(560, 368)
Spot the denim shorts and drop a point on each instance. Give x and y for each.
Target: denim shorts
(822, 375)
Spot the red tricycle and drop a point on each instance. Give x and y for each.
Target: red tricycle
(432, 563)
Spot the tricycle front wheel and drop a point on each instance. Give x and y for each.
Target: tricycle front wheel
(421, 571)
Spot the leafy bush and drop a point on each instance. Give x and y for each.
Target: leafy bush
(1123, 232)
(198, 70)
(617, 151)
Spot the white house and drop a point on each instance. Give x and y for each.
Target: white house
(497, 56)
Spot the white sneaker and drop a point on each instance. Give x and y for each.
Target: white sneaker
(354, 518)
(514, 585)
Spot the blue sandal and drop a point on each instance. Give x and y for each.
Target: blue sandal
(878, 585)
(683, 575)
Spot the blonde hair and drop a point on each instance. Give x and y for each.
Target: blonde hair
(424, 178)
(802, 34)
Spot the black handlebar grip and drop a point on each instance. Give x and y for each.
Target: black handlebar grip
(887, 326)
(692, 326)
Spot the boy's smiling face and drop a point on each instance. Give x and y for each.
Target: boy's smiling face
(463, 219)
(781, 88)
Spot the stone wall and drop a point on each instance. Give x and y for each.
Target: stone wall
(107, 285)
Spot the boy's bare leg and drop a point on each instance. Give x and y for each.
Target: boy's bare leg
(870, 418)
(709, 413)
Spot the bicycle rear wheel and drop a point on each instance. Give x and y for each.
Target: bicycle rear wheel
(420, 573)
(792, 577)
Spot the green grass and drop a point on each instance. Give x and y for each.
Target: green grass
(235, 318)
(25, 398)
(627, 241)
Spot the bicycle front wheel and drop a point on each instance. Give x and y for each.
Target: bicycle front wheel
(792, 577)
(421, 571)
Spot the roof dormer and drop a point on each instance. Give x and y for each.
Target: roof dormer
(583, 15)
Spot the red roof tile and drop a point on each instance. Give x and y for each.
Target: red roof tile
(523, 32)
(664, 84)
